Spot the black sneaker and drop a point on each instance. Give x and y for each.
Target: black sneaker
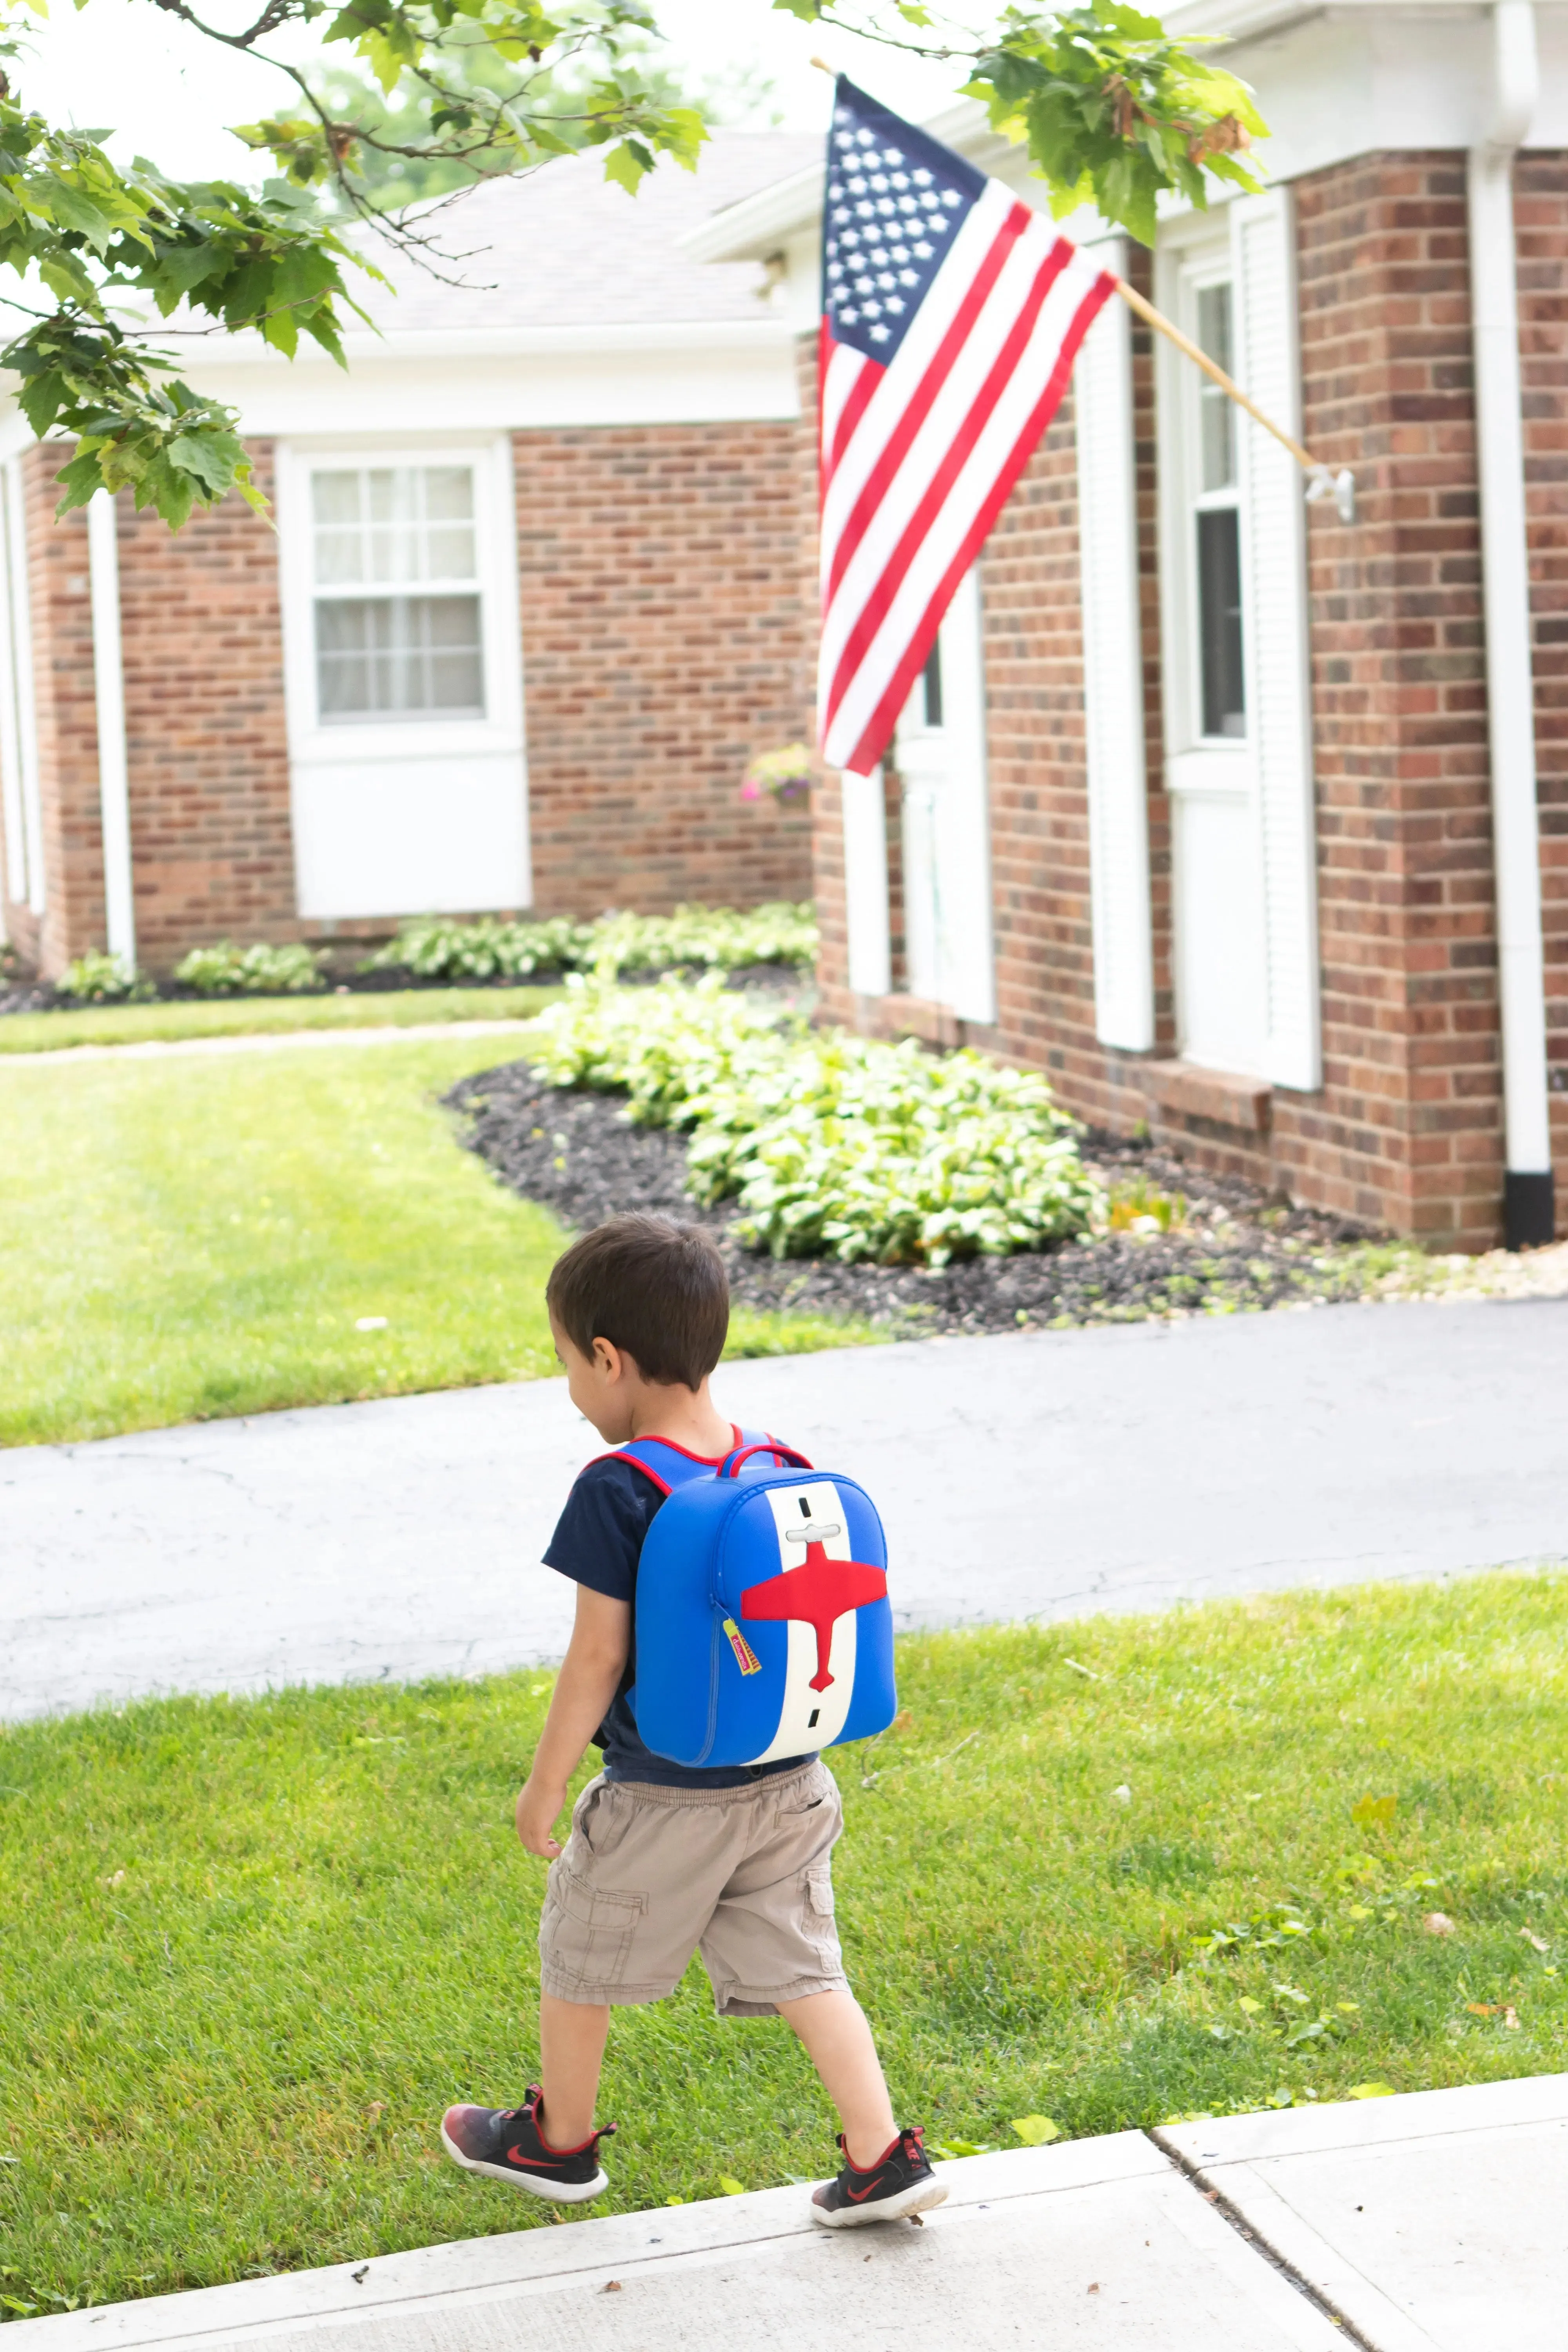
(506, 2144)
(901, 2182)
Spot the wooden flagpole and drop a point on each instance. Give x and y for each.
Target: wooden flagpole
(1321, 482)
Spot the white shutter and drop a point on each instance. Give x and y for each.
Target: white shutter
(1113, 677)
(866, 883)
(1274, 630)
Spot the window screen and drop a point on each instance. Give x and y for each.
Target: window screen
(1217, 529)
(398, 608)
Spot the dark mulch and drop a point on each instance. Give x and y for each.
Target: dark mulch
(577, 1153)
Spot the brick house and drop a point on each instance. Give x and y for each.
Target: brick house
(537, 592)
(1223, 810)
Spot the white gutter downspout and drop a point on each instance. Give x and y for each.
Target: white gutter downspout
(113, 764)
(1511, 685)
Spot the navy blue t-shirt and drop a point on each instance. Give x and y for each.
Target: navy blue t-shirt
(599, 1542)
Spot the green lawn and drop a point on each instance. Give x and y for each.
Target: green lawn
(131, 1025)
(251, 1949)
(187, 1237)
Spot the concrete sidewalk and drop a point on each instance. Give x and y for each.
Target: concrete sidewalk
(1430, 2223)
(1044, 1475)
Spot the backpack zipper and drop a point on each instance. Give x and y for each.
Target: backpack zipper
(713, 1657)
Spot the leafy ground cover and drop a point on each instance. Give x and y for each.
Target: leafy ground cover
(1098, 1875)
(831, 1145)
(776, 939)
(1171, 1240)
(132, 1024)
(721, 939)
(202, 1236)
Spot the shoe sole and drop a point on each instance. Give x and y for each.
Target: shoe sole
(559, 2193)
(920, 2196)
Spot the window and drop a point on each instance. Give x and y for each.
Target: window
(398, 619)
(930, 682)
(1222, 699)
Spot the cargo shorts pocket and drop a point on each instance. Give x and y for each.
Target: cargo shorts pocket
(585, 1934)
(816, 1918)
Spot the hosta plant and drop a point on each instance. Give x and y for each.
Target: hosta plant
(225, 970)
(833, 1145)
(722, 938)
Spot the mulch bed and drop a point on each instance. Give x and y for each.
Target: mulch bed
(577, 1153)
(32, 996)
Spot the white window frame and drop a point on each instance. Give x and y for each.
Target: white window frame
(405, 735)
(1192, 254)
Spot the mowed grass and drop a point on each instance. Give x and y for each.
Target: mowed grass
(191, 1236)
(252, 1949)
(134, 1025)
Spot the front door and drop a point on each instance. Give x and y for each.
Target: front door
(941, 754)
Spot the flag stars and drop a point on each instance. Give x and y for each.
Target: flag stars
(880, 334)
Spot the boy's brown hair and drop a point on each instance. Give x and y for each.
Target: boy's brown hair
(645, 1284)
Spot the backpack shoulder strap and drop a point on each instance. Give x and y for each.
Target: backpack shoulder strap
(664, 1465)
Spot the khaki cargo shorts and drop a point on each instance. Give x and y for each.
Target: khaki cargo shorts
(649, 1876)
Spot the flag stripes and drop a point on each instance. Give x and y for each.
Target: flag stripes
(919, 454)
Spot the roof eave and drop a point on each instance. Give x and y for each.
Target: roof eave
(757, 227)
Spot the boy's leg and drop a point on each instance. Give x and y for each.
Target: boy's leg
(571, 2053)
(838, 2040)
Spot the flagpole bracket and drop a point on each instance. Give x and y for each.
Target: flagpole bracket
(1322, 483)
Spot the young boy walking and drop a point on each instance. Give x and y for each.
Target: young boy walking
(662, 1860)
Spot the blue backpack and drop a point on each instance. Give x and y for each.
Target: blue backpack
(764, 1628)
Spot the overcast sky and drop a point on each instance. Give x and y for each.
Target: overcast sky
(168, 93)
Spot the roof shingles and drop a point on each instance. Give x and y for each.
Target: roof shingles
(565, 247)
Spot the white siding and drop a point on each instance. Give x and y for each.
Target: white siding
(1112, 679)
(1273, 598)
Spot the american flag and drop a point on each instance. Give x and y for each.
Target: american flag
(951, 317)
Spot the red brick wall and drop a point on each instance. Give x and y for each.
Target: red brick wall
(1541, 213)
(667, 640)
(201, 626)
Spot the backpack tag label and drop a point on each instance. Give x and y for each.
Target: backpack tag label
(746, 1657)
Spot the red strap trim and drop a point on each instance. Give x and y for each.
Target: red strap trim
(632, 1463)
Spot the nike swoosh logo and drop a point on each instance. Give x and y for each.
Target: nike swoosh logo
(532, 2163)
(859, 2196)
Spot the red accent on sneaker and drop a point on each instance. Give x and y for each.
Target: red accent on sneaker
(534, 2109)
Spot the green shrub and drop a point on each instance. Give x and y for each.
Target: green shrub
(98, 979)
(718, 937)
(834, 1145)
(435, 947)
(260, 970)
(722, 938)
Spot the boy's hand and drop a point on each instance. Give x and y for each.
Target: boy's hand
(538, 1811)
